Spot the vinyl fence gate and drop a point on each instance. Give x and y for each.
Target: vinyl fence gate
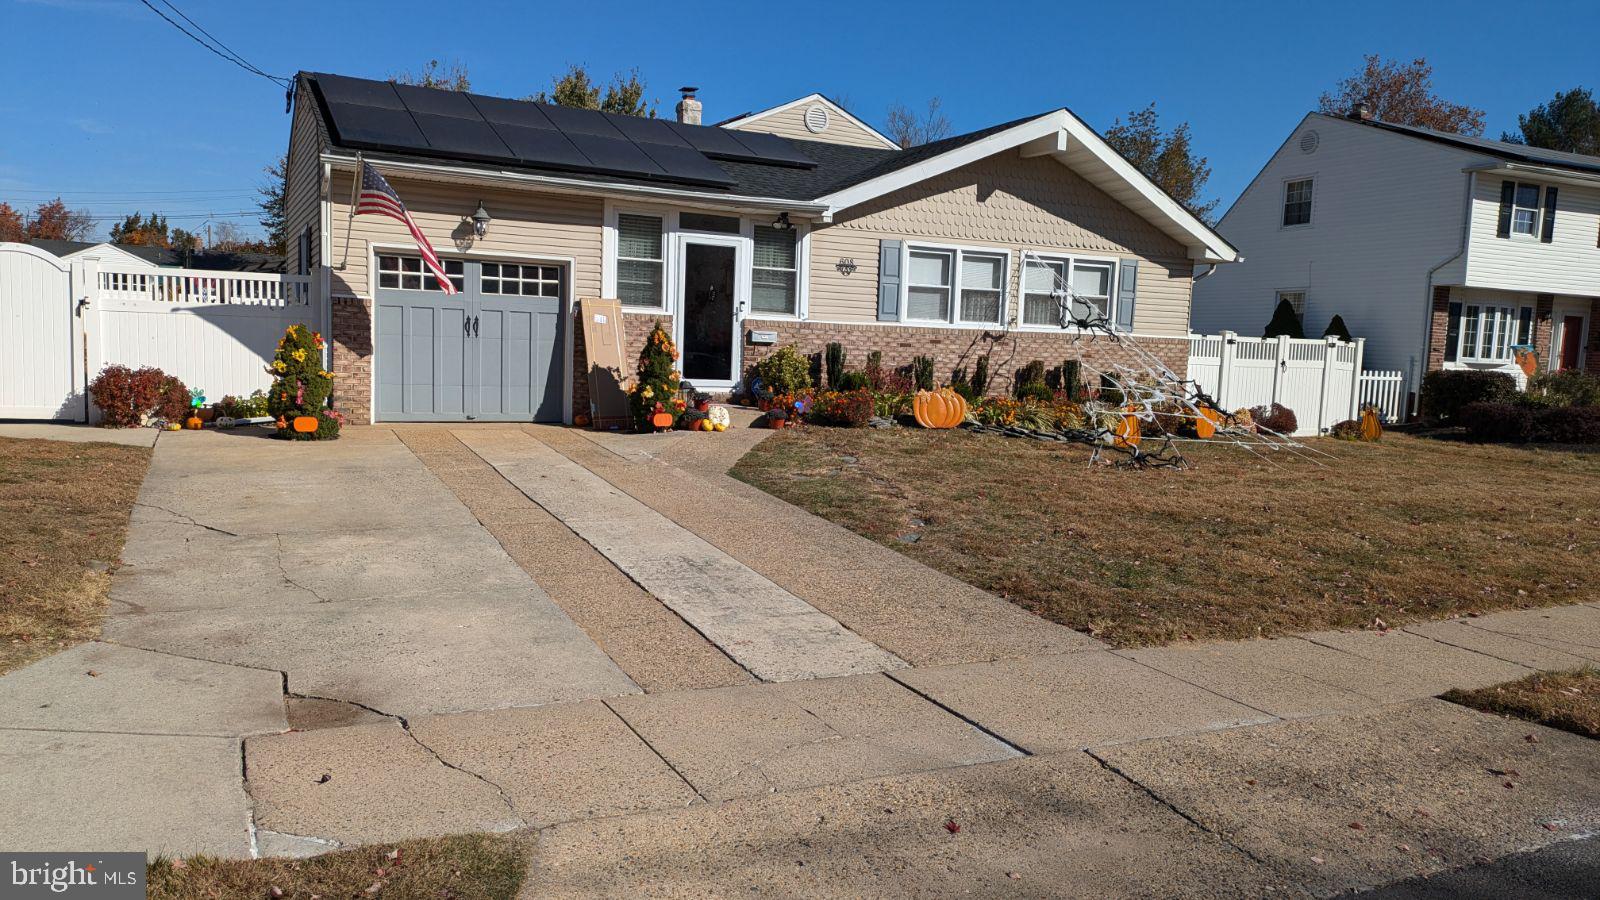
(1320, 380)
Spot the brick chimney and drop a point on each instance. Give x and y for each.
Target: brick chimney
(689, 107)
(1361, 110)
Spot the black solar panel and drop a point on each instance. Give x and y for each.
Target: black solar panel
(458, 125)
(468, 138)
(437, 103)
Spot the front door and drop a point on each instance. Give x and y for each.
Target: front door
(1571, 341)
(709, 325)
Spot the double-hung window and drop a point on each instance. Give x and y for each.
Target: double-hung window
(956, 286)
(1045, 283)
(1297, 202)
(639, 260)
(1525, 210)
(1489, 331)
(774, 272)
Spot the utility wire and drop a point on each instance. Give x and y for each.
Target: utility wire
(217, 41)
(229, 55)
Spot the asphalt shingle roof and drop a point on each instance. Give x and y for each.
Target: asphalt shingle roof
(1501, 149)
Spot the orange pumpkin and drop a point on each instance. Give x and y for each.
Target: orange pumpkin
(193, 423)
(305, 424)
(943, 408)
(1371, 428)
(1205, 426)
(661, 420)
(1126, 434)
(581, 420)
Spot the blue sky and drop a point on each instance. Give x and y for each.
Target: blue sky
(114, 109)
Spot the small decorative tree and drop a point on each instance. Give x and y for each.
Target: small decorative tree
(1284, 322)
(301, 387)
(835, 361)
(657, 381)
(1336, 328)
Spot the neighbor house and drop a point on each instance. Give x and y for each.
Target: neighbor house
(797, 225)
(1443, 251)
(124, 257)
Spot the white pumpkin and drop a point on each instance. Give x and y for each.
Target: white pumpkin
(719, 416)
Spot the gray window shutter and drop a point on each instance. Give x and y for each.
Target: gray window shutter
(889, 281)
(1127, 291)
(1452, 333)
(1548, 231)
(1508, 193)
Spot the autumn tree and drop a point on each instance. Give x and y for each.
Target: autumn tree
(452, 77)
(1165, 157)
(274, 209)
(52, 221)
(908, 129)
(12, 226)
(151, 231)
(1401, 93)
(1570, 122)
(228, 237)
(577, 89)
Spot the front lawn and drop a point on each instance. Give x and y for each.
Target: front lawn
(462, 867)
(63, 515)
(1238, 547)
(1569, 701)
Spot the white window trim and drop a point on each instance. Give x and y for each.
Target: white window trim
(1538, 213)
(1283, 201)
(1483, 306)
(1069, 259)
(609, 242)
(954, 320)
(802, 261)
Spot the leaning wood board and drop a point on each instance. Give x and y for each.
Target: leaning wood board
(602, 344)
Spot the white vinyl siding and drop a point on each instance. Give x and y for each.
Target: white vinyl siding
(774, 272)
(1569, 264)
(639, 261)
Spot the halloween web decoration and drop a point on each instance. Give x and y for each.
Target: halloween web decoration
(1144, 410)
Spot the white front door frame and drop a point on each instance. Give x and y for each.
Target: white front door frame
(741, 299)
(1559, 311)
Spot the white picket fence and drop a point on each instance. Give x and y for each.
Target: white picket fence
(214, 330)
(1321, 380)
(1388, 392)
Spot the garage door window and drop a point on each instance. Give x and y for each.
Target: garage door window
(508, 279)
(407, 273)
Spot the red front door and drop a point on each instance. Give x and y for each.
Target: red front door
(1571, 341)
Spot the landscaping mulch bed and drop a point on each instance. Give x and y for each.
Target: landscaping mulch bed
(1236, 547)
(63, 516)
(461, 867)
(1569, 701)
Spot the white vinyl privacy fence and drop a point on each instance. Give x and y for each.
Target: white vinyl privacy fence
(1321, 380)
(62, 323)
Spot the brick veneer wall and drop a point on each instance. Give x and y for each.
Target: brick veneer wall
(352, 359)
(954, 347)
(1439, 327)
(635, 328)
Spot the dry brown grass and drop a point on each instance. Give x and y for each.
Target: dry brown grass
(63, 515)
(1406, 529)
(1569, 701)
(461, 867)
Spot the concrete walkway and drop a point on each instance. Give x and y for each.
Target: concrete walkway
(692, 688)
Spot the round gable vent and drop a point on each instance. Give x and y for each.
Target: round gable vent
(817, 119)
(1309, 142)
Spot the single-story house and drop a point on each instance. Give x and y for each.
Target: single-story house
(1443, 251)
(797, 225)
(142, 256)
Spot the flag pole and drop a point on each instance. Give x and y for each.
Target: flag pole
(350, 223)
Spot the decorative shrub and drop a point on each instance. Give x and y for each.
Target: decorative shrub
(125, 396)
(1027, 378)
(835, 364)
(301, 386)
(1284, 323)
(784, 371)
(1336, 328)
(854, 381)
(960, 384)
(245, 407)
(1497, 421)
(848, 409)
(997, 410)
(173, 402)
(1275, 417)
(1068, 414)
(658, 380)
(1567, 425)
(1036, 416)
(1568, 387)
(980, 376)
(1444, 393)
(874, 370)
(1072, 380)
(922, 372)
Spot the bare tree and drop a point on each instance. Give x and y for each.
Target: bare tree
(436, 75)
(909, 130)
(1401, 93)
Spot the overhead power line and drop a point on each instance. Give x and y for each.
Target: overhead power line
(215, 46)
(55, 193)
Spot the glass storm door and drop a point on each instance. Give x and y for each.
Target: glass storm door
(710, 324)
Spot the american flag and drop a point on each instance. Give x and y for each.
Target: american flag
(379, 199)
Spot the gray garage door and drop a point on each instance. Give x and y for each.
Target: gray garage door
(491, 352)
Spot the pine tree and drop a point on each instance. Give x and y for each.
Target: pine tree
(1284, 322)
(657, 382)
(301, 386)
(1337, 328)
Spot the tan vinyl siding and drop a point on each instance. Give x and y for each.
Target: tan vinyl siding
(302, 191)
(1003, 202)
(791, 123)
(527, 223)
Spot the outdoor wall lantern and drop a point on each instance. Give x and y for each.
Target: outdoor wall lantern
(480, 220)
(782, 223)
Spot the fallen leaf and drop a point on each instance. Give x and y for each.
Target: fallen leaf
(1404, 848)
(325, 778)
(92, 673)
(1532, 739)
(275, 892)
(1317, 860)
(1250, 781)
(952, 827)
(1358, 826)
(376, 887)
(179, 864)
(393, 854)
